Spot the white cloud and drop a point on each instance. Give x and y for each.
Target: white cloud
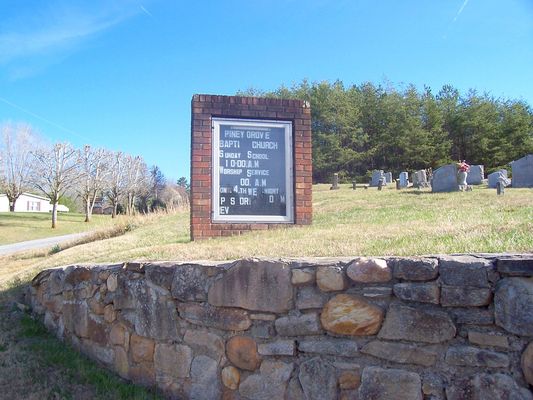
(59, 27)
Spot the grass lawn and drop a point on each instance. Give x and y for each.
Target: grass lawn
(346, 223)
(18, 227)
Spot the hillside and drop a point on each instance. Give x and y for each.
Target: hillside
(364, 222)
(22, 226)
(346, 223)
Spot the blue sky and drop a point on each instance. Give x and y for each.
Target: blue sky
(120, 74)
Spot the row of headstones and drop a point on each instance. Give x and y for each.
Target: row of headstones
(444, 179)
(380, 178)
(419, 179)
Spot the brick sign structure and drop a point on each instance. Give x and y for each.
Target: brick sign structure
(251, 165)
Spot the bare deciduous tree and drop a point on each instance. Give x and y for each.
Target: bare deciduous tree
(55, 172)
(157, 181)
(116, 181)
(94, 168)
(174, 197)
(137, 181)
(15, 160)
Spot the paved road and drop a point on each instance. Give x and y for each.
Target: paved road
(39, 243)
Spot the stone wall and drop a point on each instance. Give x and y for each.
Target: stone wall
(443, 327)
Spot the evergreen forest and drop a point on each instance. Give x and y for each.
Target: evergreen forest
(363, 127)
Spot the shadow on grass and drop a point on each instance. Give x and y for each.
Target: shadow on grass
(24, 218)
(416, 192)
(47, 357)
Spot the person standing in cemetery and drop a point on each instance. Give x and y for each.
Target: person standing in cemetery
(462, 172)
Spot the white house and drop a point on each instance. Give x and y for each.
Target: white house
(60, 208)
(4, 203)
(28, 202)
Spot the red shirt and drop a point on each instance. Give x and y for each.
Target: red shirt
(464, 167)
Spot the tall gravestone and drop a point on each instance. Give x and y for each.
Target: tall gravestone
(500, 187)
(377, 174)
(523, 172)
(404, 179)
(251, 164)
(388, 177)
(496, 176)
(419, 179)
(476, 174)
(445, 179)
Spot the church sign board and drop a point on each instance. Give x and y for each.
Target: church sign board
(251, 164)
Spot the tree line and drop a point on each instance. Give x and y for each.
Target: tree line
(359, 128)
(122, 181)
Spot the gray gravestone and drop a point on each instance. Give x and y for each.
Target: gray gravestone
(398, 187)
(354, 183)
(420, 179)
(523, 172)
(461, 180)
(335, 184)
(476, 174)
(376, 176)
(500, 187)
(496, 176)
(381, 183)
(388, 177)
(404, 179)
(445, 179)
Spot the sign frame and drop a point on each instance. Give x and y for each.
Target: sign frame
(216, 216)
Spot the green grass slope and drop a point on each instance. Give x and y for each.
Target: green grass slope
(22, 226)
(346, 223)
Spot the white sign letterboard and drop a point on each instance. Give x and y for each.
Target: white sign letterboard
(252, 171)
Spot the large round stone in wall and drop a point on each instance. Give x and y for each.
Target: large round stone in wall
(242, 351)
(350, 315)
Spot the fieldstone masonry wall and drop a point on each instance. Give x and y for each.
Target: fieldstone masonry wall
(443, 327)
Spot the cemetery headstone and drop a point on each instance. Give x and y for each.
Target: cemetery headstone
(404, 179)
(381, 182)
(476, 174)
(354, 184)
(398, 186)
(243, 152)
(500, 187)
(388, 177)
(420, 179)
(413, 179)
(523, 172)
(335, 184)
(445, 179)
(462, 174)
(376, 176)
(496, 176)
